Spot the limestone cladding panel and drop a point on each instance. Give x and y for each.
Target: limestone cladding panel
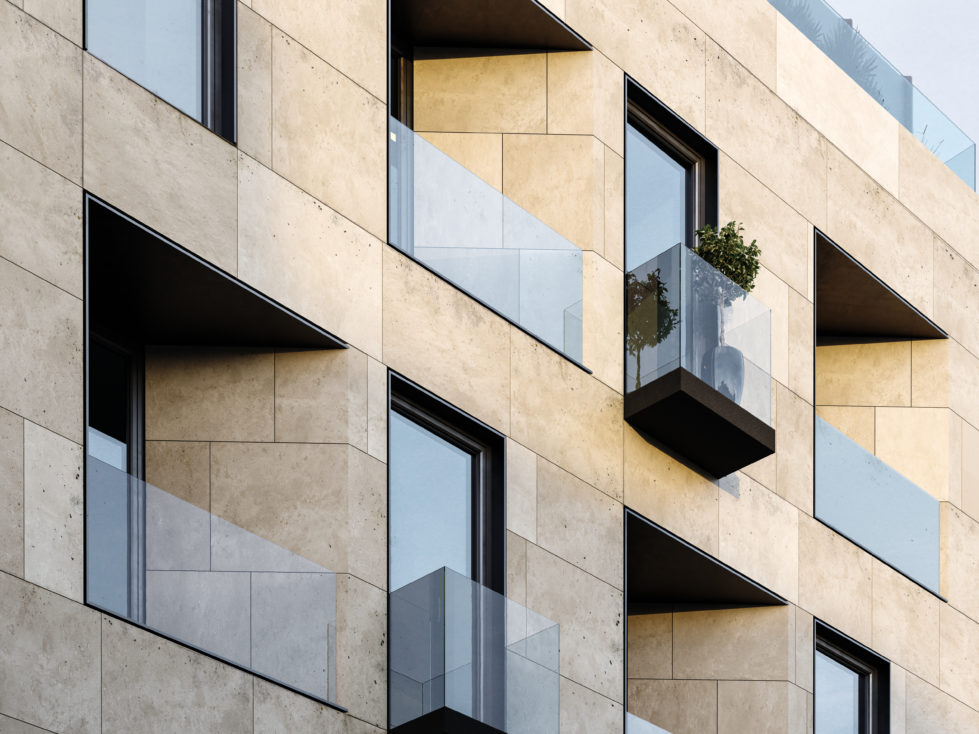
(922, 444)
(930, 710)
(970, 471)
(804, 650)
(481, 94)
(53, 519)
(329, 135)
(801, 345)
(586, 96)
(278, 709)
(377, 409)
(793, 454)
(565, 415)
(602, 324)
(957, 296)
(160, 166)
(11, 493)
(49, 659)
(857, 423)
(446, 342)
(930, 373)
(654, 42)
(585, 712)
(516, 568)
(960, 561)
(64, 16)
(254, 110)
(964, 388)
(146, 678)
(13, 726)
(960, 656)
(614, 250)
(41, 218)
(41, 93)
(877, 374)
(41, 342)
(309, 257)
(362, 650)
(899, 704)
(762, 707)
(679, 706)
(479, 153)
(650, 646)
(590, 614)
(521, 490)
(906, 623)
(181, 468)
(774, 293)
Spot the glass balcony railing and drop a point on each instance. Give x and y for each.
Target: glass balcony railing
(635, 725)
(465, 230)
(681, 312)
(456, 644)
(172, 567)
(861, 497)
(882, 81)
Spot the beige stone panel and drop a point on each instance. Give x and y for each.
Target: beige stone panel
(602, 338)
(793, 444)
(590, 614)
(521, 490)
(586, 96)
(277, 709)
(835, 579)
(481, 94)
(801, 354)
(41, 343)
(555, 6)
(765, 471)
(53, 512)
(309, 258)
(735, 644)
(328, 135)
(362, 650)
(774, 293)
(670, 494)
(748, 121)
(614, 209)
(479, 153)
(759, 536)
(321, 397)
(49, 655)
(960, 561)
(367, 503)
(41, 218)
(254, 110)
(804, 644)
(819, 90)
(960, 656)
(351, 36)
(940, 198)
(856, 423)
(650, 645)
(181, 468)
(654, 42)
(878, 231)
(146, 678)
(964, 388)
(956, 428)
(559, 179)
(864, 374)
(516, 568)
(917, 443)
(579, 523)
(970, 470)
(782, 233)
(679, 706)
(447, 342)
(761, 707)
(585, 435)
(377, 409)
(899, 684)
(14, 726)
(956, 302)
(209, 394)
(64, 16)
(585, 712)
(11, 493)
(930, 710)
(906, 623)
(930, 373)
(41, 93)
(172, 173)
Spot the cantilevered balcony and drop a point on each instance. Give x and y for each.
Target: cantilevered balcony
(466, 659)
(698, 362)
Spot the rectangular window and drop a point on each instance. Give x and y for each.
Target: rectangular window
(852, 693)
(181, 50)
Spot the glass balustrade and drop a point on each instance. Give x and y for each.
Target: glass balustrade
(682, 312)
(882, 81)
(861, 497)
(458, 645)
(459, 226)
(635, 725)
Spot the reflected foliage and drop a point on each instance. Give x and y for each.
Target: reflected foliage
(651, 317)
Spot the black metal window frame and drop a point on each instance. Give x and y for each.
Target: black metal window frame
(874, 671)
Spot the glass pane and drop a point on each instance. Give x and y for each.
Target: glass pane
(430, 503)
(656, 200)
(156, 43)
(837, 697)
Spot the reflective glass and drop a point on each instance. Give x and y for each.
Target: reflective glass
(431, 498)
(156, 43)
(635, 725)
(837, 697)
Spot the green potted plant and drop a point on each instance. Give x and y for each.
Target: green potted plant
(736, 265)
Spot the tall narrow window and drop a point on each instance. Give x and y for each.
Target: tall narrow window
(852, 686)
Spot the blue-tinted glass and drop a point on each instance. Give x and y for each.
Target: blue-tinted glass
(837, 697)
(156, 43)
(656, 200)
(430, 503)
(107, 530)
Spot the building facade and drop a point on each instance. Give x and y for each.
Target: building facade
(358, 374)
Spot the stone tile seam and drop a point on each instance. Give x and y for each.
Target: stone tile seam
(26, 420)
(50, 28)
(587, 688)
(35, 726)
(570, 563)
(41, 163)
(937, 688)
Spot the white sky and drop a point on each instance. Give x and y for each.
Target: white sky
(936, 42)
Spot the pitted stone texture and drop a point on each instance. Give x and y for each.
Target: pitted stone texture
(585, 712)
(11, 493)
(254, 110)
(679, 706)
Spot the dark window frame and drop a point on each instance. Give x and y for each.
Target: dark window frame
(874, 672)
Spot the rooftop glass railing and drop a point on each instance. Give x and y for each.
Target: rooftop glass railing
(456, 644)
(882, 81)
(682, 312)
(864, 499)
(462, 228)
(172, 567)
